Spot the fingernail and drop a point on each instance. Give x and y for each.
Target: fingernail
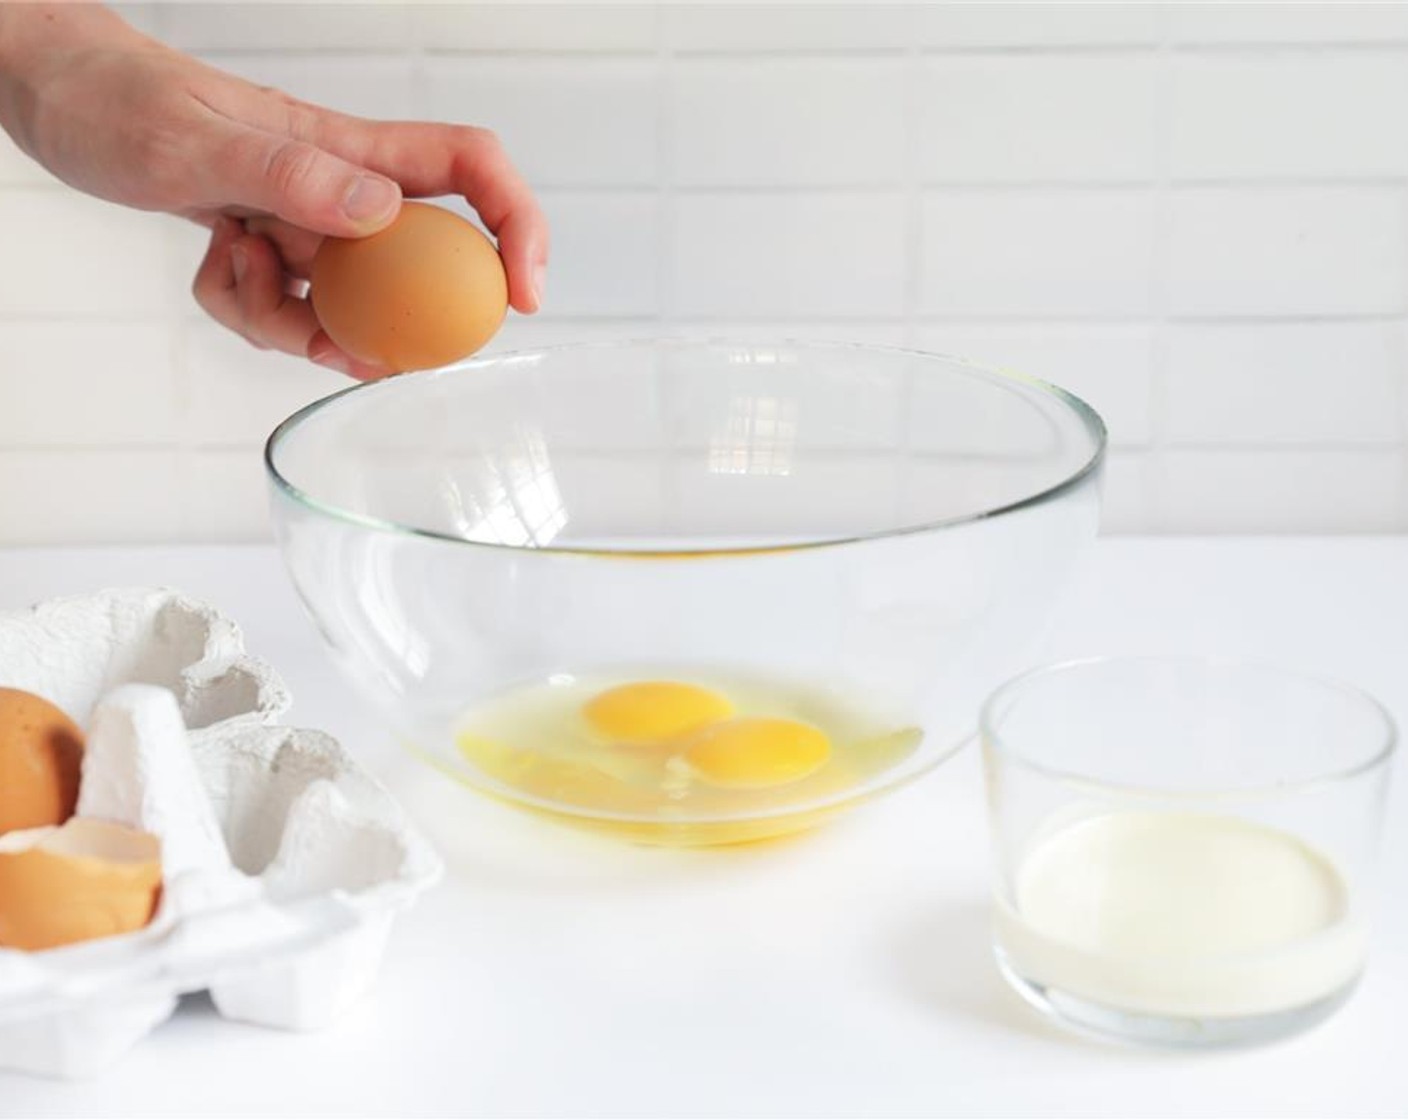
(370, 198)
(239, 261)
(540, 281)
(332, 358)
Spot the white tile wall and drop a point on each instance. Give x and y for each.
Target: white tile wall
(1287, 251)
(1264, 491)
(1193, 214)
(1110, 366)
(75, 385)
(1284, 383)
(580, 27)
(1057, 253)
(67, 256)
(1040, 24)
(1330, 22)
(776, 256)
(366, 85)
(787, 122)
(1079, 116)
(786, 27)
(1250, 116)
(566, 121)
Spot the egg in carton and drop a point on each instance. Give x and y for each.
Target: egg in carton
(283, 864)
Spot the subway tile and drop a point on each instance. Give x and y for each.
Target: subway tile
(90, 497)
(750, 491)
(755, 406)
(1036, 24)
(146, 18)
(860, 332)
(521, 332)
(1127, 493)
(1023, 117)
(1277, 383)
(608, 495)
(564, 122)
(380, 87)
(581, 27)
(531, 332)
(1262, 491)
(787, 27)
(70, 255)
(792, 255)
(1335, 115)
(1054, 253)
(238, 394)
(1286, 251)
(187, 243)
(225, 497)
(1109, 367)
(74, 383)
(288, 26)
(604, 252)
(808, 122)
(1315, 23)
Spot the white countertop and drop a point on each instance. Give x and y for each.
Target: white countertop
(845, 973)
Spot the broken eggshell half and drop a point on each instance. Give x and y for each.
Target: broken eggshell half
(283, 863)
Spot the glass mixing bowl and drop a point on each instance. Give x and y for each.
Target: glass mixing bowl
(866, 539)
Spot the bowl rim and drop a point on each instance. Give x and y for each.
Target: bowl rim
(1010, 693)
(1093, 423)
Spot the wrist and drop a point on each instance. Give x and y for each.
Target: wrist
(35, 38)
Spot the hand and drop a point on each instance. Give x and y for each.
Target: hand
(125, 118)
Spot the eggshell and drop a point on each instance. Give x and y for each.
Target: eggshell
(138, 770)
(75, 650)
(41, 756)
(283, 916)
(427, 290)
(81, 880)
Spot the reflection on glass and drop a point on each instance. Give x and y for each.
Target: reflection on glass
(516, 500)
(759, 437)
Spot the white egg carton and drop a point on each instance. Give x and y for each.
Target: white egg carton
(283, 863)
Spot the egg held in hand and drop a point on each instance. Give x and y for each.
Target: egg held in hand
(427, 290)
(41, 761)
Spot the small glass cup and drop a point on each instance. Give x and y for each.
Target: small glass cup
(1183, 846)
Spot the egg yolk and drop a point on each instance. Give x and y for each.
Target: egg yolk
(653, 711)
(756, 752)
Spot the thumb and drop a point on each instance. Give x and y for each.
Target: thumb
(300, 183)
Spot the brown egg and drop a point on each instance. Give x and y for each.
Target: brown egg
(82, 880)
(41, 759)
(428, 290)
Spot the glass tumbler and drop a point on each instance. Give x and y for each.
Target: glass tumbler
(1183, 846)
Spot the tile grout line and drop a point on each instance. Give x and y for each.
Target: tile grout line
(1156, 465)
(913, 225)
(1400, 347)
(666, 298)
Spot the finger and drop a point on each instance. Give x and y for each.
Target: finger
(294, 180)
(269, 316)
(326, 352)
(214, 285)
(272, 317)
(434, 159)
(244, 302)
(296, 246)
